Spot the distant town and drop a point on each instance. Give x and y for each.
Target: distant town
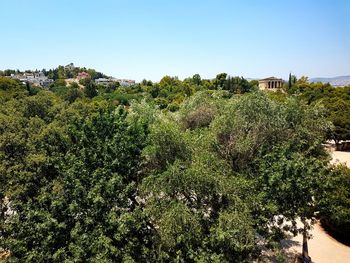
(70, 73)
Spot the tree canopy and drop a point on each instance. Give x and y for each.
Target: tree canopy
(177, 171)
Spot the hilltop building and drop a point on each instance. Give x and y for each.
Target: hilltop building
(83, 75)
(70, 66)
(270, 83)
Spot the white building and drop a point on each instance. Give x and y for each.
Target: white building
(37, 79)
(103, 81)
(122, 82)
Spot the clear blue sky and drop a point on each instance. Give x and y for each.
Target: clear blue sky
(151, 38)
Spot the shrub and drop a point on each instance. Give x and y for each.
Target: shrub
(334, 201)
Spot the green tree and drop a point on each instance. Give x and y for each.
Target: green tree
(272, 143)
(113, 86)
(194, 201)
(60, 83)
(8, 84)
(61, 74)
(10, 89)
(90, 89)
(338, 112)
(237, 85)
(334, 202)
(199, 111)
(73, 186)
(197, 80)
(167, 81)
(290, 81)
(220, 79)
(73, 94)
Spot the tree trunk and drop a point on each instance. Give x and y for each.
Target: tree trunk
(305, 254)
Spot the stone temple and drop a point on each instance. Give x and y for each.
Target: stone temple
(271, 83)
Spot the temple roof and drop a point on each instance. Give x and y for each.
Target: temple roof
(270, 78)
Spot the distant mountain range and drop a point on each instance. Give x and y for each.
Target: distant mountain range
(335, 81)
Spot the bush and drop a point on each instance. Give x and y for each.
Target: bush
(199, 111)
(334, 201)
(199, 118)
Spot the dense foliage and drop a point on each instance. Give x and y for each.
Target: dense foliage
(335, 202)
(335, 100)
(178, 171)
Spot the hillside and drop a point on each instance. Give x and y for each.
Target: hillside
(339, 81)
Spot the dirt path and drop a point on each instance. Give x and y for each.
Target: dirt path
(341, 157)
(322, 247)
